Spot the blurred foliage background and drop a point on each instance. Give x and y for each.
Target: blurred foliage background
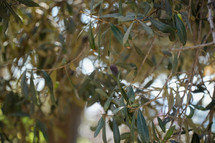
(152, 70)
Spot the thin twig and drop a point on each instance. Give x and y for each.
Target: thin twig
(193, 47)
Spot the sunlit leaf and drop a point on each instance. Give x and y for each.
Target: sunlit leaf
(122, 90)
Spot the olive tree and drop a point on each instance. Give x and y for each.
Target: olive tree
(132, 44)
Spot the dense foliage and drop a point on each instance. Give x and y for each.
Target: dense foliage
(153, 69)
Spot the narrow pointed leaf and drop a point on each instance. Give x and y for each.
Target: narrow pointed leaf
(117, 33)
(118, 109)
(161, 124)
(24, 86)
(147, 28)
(181, 30)
(142, 127)
(33, 90)
(29, 3)
(132, 128)
(195, 138)
(107, 103)
(154, 131)
(91, 37)
(99, 126)
(122, 90)
(125, 38)
(162, 26)
(130, 93)
(104, 138)
(49, 83)
(42, 127)
(191, 112)
(168, 8)
(169, 133)
(116, 134)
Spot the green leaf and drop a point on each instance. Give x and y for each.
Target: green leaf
(125, 136)
(125, 38)
(191, 112)
(99, 126)
(147, 28)
(199, 107)
(142, 55)
(169, 133)
(120, 7)
(161, 124)
(162, 26)
(132, 128)
(41, 126)
(29, 3)
(91, 6)
(104, 138)
(116, 134)
(107, 103)
(168, 8)
(181, 30)
(142, 127)
(122, 90)
(167, 53)
(210, 105)
(195, 138)
(49, 83)
(18, 19)
(175, 63)
(33, 91)
(186, 19)
(154, 131)
(112, 15)
(117, 33)
(130, 93)
(118, 109)
(91, 37)
(149, 83)
(24, 86)
(101, 93)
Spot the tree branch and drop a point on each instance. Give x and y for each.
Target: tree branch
(210, 18)
(193, 47)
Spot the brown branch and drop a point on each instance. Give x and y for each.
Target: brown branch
(192, 47)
